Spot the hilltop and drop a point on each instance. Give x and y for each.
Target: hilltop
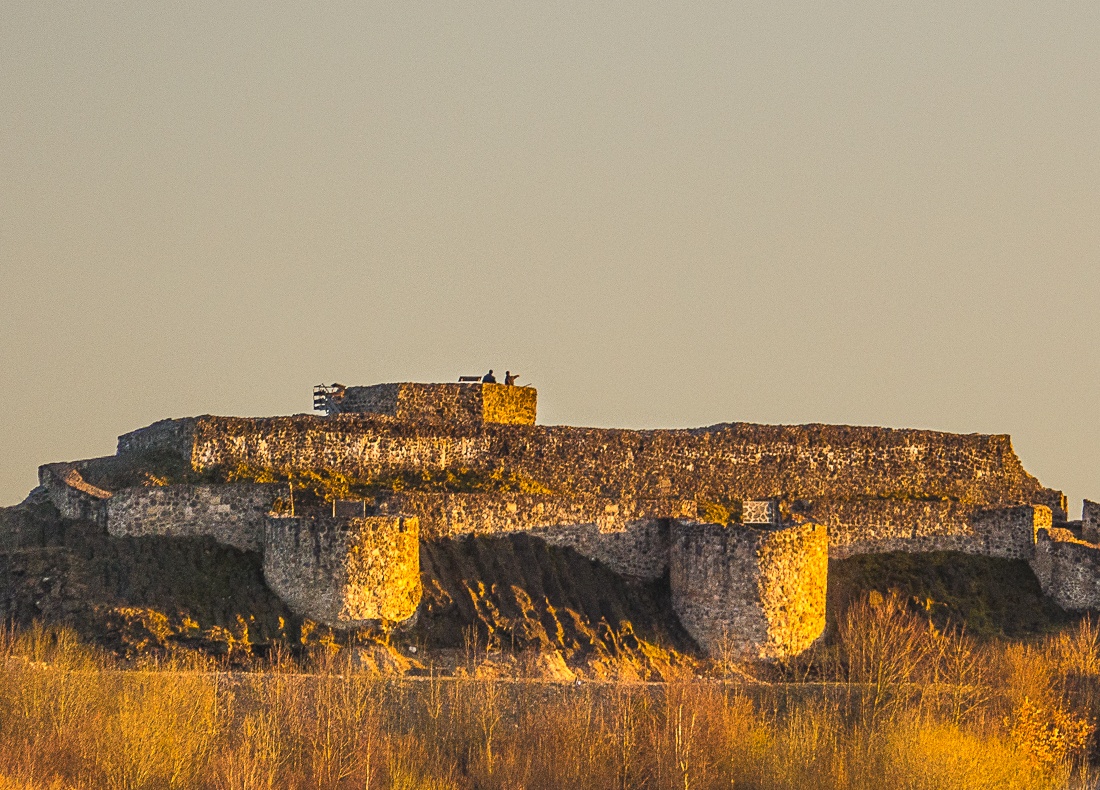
(440, 516)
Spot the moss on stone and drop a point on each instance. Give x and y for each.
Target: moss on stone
(326, 485)
(724, 513)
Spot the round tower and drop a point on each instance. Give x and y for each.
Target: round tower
(750, 591)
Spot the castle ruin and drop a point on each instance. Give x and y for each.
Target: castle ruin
(741, 518)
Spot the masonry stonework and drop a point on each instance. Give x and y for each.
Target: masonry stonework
(722, 462)
(346, 573)
(233, 514)
(878, 526)
(71, 494)
(445, 515)
(174, 437)
(1090, 521)
(631, 500)
(445, 404)
(1068, 570)
(748, 591)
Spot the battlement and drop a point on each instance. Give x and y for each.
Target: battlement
(445, 404)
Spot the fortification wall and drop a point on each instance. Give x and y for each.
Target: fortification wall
(345, 572)
(360, 445)
(628, 536)
(508, 405)
(878, 526)
(758, 592)
(742, 462)
(73, 496)
(445, 404)
(173, 437)
(448, 515)
(376, 399)
(231, 514)
(721, 463)
(636, 549)
(1068, 570)
(1090, 521)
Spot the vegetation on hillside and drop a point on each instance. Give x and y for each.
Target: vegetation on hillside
(989, 596)
(901, 706)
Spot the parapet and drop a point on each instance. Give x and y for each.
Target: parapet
(436, 404)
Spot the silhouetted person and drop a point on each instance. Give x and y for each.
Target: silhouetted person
(509, 378)
(489, 378)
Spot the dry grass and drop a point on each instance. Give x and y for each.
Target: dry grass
(896, 705)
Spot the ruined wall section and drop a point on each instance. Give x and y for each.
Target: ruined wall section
(750, 592)
(740, 461)
(449, 515)
(346, 573)
(445, 404)
(376, 399)
(1090, 521)
(505, 405)
(71, 494)
(638, 549)
(231, 514)
(722, 463)
(175, 437)
(1068, 570)
(628, 536)
(878, 526)
(360, 445)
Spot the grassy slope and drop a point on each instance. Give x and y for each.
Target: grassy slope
(132, 594)
(991, 597)
(524, 593)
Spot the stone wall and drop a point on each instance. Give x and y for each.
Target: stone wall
(445, 404)
(174, 437)
(360, 445)
(345, 572)
(376, 399)
(720, 463)
(878, 526)
(73, 496)
(635, 549)
(1090, 521)
(627, 499)
(509, 405)
(449, 515)
(232, 514)
(1068, 570)
(30, 524)
(628, 536)
(747, 591)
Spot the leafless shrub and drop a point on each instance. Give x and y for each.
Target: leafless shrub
(939, 711)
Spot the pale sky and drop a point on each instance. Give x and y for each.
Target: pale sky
(660, 214)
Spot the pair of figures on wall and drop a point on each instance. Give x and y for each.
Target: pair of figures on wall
(509, 378)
